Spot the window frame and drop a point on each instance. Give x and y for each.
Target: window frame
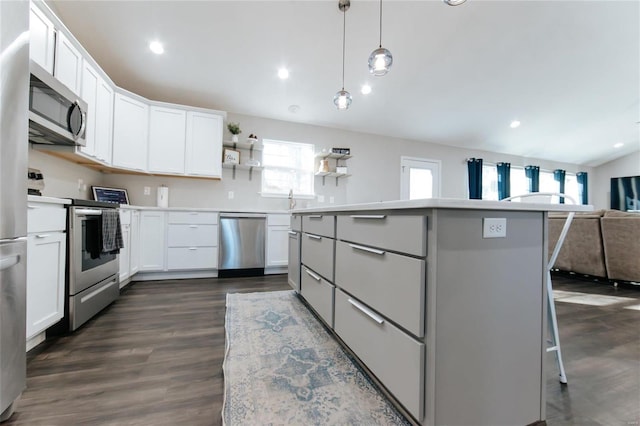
(310, 171)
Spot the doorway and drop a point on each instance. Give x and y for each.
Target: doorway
(419, 178)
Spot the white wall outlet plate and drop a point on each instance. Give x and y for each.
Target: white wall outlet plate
(494, 227)
(147, 190)
(332, 199)
(321, 198)
(231, 195)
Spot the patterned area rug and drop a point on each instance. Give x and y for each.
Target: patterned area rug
(282, 367)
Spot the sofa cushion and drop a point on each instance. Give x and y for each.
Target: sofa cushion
(618, 213)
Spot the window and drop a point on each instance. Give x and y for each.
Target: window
(419, 178)
(288, 166)
(520, 184)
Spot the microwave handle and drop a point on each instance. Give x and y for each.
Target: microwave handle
(88, 212)
(83, 118)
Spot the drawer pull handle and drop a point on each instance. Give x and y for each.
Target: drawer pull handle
(314, 237)
(42, 235)
(193, 226)
(293, 233)
(367, 249)
(193, 248)
(368, 216)
(315, 216)
(33, 207)
(366, 311)
(312, 275)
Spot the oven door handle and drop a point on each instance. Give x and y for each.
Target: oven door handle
(88, 212)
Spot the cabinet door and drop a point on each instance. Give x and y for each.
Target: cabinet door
(167, 133)
(104, 121)
(45, 280)
(42, 43)
(130, 133)
(152, 241)
(123, 257)
(277, 245)
(68, 63)
(134, 255)
(90, 81)
(204, 144)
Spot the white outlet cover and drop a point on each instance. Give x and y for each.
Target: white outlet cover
(231, 195)
(332, 199)
(494, 227)
(321, 198)
(147, 190)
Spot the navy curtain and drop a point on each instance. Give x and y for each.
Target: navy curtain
(558, 176)
(583, 187)
(474, 165)
(504, 180)
(533, 174)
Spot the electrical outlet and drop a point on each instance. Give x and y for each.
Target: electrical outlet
(321, 198)
(494, 227)
(231, 195)
(332, 199)
(147, 190)
(80, 183)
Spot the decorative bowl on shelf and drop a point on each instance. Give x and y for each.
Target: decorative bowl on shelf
(252, 140)
(252, 163)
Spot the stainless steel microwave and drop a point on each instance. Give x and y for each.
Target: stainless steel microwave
(56, 115)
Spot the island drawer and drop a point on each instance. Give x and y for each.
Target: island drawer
(320, 225)
(319, 293)
(296, 223)
(187, 258)
(317, 253)
(202, 218)
(391, 283)
(394, 357)
(182, 235)
(404, 234)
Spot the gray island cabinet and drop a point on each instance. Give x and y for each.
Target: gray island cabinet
(450, 318)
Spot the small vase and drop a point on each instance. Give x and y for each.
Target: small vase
(234, 138)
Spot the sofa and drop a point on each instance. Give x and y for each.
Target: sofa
(604, 244)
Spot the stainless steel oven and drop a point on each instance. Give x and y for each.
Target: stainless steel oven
(92, 275)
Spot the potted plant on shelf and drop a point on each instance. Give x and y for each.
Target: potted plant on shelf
(234, 129)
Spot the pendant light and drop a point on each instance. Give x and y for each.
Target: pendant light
(454, 2)
(380, 60)
(343, 99)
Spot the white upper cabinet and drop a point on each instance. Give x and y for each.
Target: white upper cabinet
(167, 133)
(104, 121)
(90, 81)
(130, 133)
(43, 37)
(204, 144)
(68, 63)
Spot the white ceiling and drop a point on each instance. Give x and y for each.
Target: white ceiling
(568, 70)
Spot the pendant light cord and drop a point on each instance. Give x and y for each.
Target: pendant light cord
(380, 23)
(344, 31)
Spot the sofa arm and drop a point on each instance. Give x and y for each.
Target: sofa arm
(621, 238)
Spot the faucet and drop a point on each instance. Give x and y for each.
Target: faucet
(292, 202)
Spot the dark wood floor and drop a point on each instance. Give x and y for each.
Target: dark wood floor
(155, 356)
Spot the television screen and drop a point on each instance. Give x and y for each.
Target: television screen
(625, 193)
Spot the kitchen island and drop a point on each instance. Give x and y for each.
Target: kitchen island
(443, 301)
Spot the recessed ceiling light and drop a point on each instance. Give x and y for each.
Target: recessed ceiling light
(156, 47)
(618, 145)
(366, 89)
(515, 124)
(283, 73)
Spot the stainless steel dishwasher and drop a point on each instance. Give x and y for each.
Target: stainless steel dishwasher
(242, 244)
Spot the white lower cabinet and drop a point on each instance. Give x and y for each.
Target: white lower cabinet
(134, 252)
(192, 241)
(46, 255)
(152, 240)
(277, 252)
(46, 259)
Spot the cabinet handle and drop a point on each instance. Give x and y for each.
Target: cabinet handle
(314, 237)
(366, 311)
(367, 249)
(367, 216)
(312, 275)
(315, 216)
(29, 206)
(42, 235)
(193, 226)
(9, 261)
(193, 248)
(293, 233)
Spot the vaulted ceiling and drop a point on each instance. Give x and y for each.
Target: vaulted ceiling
(568, 70)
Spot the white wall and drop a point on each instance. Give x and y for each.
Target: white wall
(629, 165)
(375, 169)
(61, 176)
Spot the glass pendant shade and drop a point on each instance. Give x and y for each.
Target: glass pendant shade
(380, 61)
(342, 99)
(454, 2)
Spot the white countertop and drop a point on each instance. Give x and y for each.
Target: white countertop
(448, 203)
(202, 209)
(48, 200)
